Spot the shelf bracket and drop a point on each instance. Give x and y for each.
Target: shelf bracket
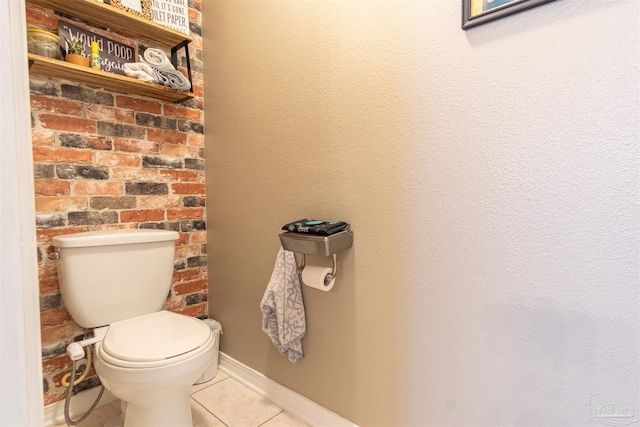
(174, 59)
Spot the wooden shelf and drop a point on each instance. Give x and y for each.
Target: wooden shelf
(47, 67)
(116, 20)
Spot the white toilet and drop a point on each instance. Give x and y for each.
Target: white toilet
(116, 281)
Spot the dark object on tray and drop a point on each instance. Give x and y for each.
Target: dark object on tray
(312, 226)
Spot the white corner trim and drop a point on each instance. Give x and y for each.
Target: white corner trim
(292, 402)
(21, 399)
(80, 403)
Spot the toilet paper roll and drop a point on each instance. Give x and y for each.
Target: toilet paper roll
(316, 277)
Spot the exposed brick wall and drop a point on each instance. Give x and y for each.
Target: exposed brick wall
(105, 160)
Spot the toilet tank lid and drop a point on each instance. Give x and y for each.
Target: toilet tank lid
(113, 237)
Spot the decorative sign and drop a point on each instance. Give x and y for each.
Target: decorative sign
(113, 54)
(172, 13)
(141, 8)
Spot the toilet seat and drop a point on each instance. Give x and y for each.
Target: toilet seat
(157, 339)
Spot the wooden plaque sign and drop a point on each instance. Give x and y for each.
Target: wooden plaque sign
(113, 54)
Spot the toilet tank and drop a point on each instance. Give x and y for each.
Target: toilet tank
(112, 275)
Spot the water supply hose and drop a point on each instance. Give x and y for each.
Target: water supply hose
(73, 382)
(65, 380)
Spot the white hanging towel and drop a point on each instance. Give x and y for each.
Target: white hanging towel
(283, 317)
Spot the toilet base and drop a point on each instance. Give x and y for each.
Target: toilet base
(171, 413)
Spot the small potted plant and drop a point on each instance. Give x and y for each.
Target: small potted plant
(75, 53)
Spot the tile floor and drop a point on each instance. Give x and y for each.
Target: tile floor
(221, 402)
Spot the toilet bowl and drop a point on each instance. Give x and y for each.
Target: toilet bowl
(116, 281)
(150, 362)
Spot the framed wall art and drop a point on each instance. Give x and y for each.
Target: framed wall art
(141, 8)
(478, 12)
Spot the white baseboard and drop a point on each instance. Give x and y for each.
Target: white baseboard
(80, 403)
(292, 402)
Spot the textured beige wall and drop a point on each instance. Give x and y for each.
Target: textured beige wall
(292, 139)
(476, 170)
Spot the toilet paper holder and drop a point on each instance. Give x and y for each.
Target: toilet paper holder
(312, 244)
